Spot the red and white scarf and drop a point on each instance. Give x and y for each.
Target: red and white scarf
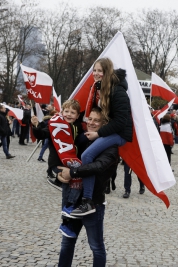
(63, 142)
(93, 98)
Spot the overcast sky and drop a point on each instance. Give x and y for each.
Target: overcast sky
(124, 5)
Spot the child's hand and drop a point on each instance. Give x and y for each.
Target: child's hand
(91, 135)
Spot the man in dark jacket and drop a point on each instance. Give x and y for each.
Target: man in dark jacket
(102, 168)
(4, 129)
(26, 123)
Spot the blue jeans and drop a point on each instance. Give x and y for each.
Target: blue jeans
(94, 228)
(128, 179)
(70, 194)
(15, 127)
(88, 156)
(44, 147)
(4, 145)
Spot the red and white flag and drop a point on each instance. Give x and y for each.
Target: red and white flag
(161, 89)
(56, 101)
(160, 113)
(38, 85)
(21, 100)
(146, 155)
(15, 112)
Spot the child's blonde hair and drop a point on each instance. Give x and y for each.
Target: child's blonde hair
(73, 104)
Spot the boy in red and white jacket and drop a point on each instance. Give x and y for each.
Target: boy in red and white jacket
(167, 135)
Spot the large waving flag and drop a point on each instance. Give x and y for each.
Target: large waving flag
(15, 112)
(38, 85)
(56, 101)
(160, 113)
(145, 155)
(161, 89)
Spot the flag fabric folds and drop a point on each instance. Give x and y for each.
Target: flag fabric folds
(15, 112)
(145, 155)
(56, 101)
(21, 100)
(38, 85)
(160, 113)
(39, 112)
(161, 89)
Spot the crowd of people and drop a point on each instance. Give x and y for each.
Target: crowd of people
(91, 149)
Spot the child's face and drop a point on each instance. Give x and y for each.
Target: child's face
(97, 72)
(70, 115)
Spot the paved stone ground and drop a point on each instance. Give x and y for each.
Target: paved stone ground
(139, 231)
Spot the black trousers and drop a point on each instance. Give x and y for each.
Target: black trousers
(168, 152)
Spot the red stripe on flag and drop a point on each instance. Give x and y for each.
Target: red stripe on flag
(131, 154)
(12, 114)
(83, 92)
(39, 93)
(163, 93)
(56, 104)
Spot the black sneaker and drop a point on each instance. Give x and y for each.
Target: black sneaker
(126, 194)
(87, 207)
(51, 175)
(142, 190)
(41, 160)
(56, 183)
(10, 157)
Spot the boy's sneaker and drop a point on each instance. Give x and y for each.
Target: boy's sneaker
(66, 212)
(86, 207)
(56, 183)
(51, 175)
(65, 230)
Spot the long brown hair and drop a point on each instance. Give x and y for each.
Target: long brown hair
(108, 80)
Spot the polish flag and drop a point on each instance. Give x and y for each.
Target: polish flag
(15, 112)
(160, 113)
(21, 100)
(56, 101)
(38, 85)
(146, 155)
(161, 89)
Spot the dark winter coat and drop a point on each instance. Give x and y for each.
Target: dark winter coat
(120, 112)
(4, 124)
(103, 168)
(26, 116)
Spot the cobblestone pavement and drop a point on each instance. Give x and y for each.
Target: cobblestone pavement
(139, 231)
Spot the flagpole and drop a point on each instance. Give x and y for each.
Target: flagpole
(34, 150)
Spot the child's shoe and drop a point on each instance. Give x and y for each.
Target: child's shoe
(66, 212)
(86, 207)
(66, 231)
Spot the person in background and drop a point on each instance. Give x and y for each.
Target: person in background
(167, 135)
(4, 130)
(128, 182)
(26, 123)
